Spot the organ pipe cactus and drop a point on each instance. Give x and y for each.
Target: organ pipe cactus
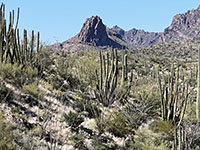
(12, 48)
(174, 96)
(108, 89)
(198, 89)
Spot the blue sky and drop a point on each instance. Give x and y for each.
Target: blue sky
(58, 20)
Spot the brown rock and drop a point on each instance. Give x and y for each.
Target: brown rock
(94, 33)
(184, 26)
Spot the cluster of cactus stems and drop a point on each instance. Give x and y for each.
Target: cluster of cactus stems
(108, 88)
(12, 48)
(180, 139)
(174, 96)
(198, 89)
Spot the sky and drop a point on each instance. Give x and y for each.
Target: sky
(58, 20)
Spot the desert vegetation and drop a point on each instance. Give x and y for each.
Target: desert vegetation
(133, 99)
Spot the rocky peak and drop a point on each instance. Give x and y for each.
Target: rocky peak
(118, 30)
(184, 26)
(198, 7)
(94, 32)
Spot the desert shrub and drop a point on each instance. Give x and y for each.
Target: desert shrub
(61, 78)
(6, 135)
(146, 139)
(5, 93)
(76, 138)
(102, 122)
(88, 106)
(103, 143)
(165, 127)
(73, 70)
(9, 71)
(117, 125)
(18, 74)
(37, 131)
(45, 60)
(33, 90)
(141, 107)
(77, 141)
(114, 122)
(73, 119)
(84, 66)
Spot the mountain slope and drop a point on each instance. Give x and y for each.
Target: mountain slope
(184, 26)
(94, 34)
(138, 37)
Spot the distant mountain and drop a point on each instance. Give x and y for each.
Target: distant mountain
(94, 33)
(138, 37)
(184, 26)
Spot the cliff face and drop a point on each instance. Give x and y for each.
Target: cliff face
(93, 32)
(183, 27)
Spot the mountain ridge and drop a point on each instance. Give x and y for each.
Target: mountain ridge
(184, 26)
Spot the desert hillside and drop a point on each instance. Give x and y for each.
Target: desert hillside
(96, 91)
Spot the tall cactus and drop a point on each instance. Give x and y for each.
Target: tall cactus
(11, 48)
(174, 97)
(198, 89)
(180, 140)
(107, 88)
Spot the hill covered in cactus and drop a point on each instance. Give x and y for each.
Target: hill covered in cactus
(101, 98)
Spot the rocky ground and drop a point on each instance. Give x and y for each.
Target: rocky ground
(40, 124)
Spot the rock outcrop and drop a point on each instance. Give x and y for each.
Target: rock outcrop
(94, 33)
(184, 26)
(138, 37)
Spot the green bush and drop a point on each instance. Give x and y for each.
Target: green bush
(33, 90)
(103, 143)
(73, 119)
(6, 136)
(142, 106)
(18, 74)
(146, 139)
(88, 106)
(5, 93)
(61, 77)
(117, 125)
(83, 66)
(78, 142)
(162, 126)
